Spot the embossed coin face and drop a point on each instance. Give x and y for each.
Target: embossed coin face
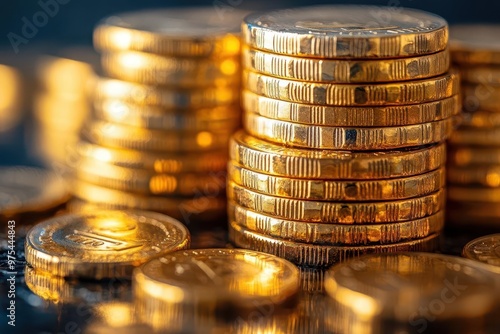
(239, 276)
(407, 285)
(26, 189)
(484, 249)
(103, 244)
(327, 31)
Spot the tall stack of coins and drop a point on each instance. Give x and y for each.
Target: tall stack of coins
(346, 109)
(474, 157)
(163, 113)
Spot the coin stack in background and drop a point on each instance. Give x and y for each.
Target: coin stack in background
(345, 118)
(11, 85)
(62, 102)
(474, 155)
(163, 114)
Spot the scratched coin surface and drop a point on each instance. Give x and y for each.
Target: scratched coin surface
(484, 249)
(335, 234)
(346, 71)
(274, 159)
(30, 190)
(324, 190)
(305, 254)
(202, 31)
(333, 94)
(103, 244)
(346, 31)
(202, 281)
(400, 287)
(337, 212)
(475, 44)
(351, 116)
(347, 138)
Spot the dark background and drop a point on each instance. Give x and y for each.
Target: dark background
(75, 20)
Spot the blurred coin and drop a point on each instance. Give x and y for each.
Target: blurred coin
(337, 235)
(151, 69)
(484, 249)
(202, 31)
(320, 255)
(164, 97)
(30, 190)
(346, 71)
(11, 98)
(102, 244)
(483, 97)
(128, 137)
(473, 194)
(346, 32)
(200, 162)
(146, 182)
(407, 92)
(469, 155)
(351, 116)
(323, 190)
(337, 212)
(202, 282)
(207, 205)
(274, 159)
(483, 175)
(396, 290)
(342, 138)
(486, 75)
(475, 44)
(216, 118)
(476, 136)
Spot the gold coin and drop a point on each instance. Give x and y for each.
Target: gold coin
(337, 212)
(408, 92)
(146, 182)
(319, 255)
(404, 290)
(341, 138)
(488, 176)
(338, 235)
(346, 32)
(193, 283)
(273, 159)
(94, 197)
(464, 156)
(64, 290)
(461, 193)
(151, 69)
(346, 71)
(127, 137)
(104, 244)
(351, 116)
(164, 97)
(217, 118)
(483, 97)
(484, 249)
(26, 190)
(476, 136)
(193, 32)
(11, 102)
(486, 75)
(475, 44)
(336, 190)
(160, 163)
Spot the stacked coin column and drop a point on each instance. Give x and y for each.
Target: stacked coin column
(163, 113)
(474, 157)
(343, 152)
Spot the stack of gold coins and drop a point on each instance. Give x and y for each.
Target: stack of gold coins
(163, 114)
(474, 157)
(345, 116)
(10, 101)
(61, 103)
